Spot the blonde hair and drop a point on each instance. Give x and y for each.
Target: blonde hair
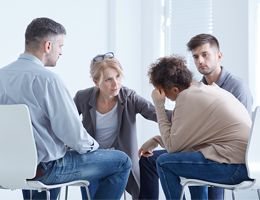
(96, 68)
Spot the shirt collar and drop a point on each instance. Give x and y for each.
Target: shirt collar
(32, 58)
(221, 79)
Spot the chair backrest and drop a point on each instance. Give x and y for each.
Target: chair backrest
(253, 149)
(18, 153)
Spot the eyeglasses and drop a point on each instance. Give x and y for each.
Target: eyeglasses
(101, 57)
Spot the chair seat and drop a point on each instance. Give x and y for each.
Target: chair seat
(37, 185)
(197, 182)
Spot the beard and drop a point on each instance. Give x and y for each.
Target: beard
(205, 70)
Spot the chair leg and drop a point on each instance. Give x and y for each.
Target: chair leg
(124, 195)
(182, 192)
(88, 194)
(31, 194)
(233, 195)
(258, 193)
(58, 197)
(48, 195)
(66, 192)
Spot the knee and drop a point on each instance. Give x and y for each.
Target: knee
(143, 161)
(128, 163)
(147, 161)
(161, 159)
(125, 160)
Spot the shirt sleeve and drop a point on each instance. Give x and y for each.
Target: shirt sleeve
(164, 127)
(65, 120)
(243, 94)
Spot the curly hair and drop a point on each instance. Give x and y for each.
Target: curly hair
(170, 71)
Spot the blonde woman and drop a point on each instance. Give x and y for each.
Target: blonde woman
(109, 112)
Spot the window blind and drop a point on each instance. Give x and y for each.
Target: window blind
(183, 19)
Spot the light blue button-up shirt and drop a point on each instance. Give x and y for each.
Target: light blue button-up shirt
(55, 119)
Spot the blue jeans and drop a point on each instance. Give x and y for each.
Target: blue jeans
(109, 168)
(149, 179)
(171, 166)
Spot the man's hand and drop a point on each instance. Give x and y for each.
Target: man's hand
(158, 97)
(147, 148)
(144, 153)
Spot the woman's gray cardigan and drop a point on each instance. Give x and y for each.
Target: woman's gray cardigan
(129, 104)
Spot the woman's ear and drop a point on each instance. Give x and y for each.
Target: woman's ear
(96, 82)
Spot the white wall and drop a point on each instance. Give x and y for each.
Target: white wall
(131, 29)
(87, 35)
(86, 23)
(230, 20)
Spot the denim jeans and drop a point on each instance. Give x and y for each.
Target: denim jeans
(149, 180)
(109, 168)
(171, 166)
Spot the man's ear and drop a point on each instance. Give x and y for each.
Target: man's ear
(220, 55)
(47, 46)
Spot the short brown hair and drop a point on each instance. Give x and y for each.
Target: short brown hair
(40, 28)
(170, 71)
(202, 39)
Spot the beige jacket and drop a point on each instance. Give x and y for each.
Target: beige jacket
(208, 119)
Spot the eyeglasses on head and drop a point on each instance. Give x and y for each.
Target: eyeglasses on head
(101, 57)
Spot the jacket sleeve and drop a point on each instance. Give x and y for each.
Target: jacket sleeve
(77, 102)
(146, 108)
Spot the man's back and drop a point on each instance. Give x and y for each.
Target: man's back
(211, 120)
(26, 81)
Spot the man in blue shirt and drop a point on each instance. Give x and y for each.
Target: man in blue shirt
(66, 152)
(207, 58)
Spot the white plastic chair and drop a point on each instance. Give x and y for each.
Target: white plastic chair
(18, 152)
(252, 163)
